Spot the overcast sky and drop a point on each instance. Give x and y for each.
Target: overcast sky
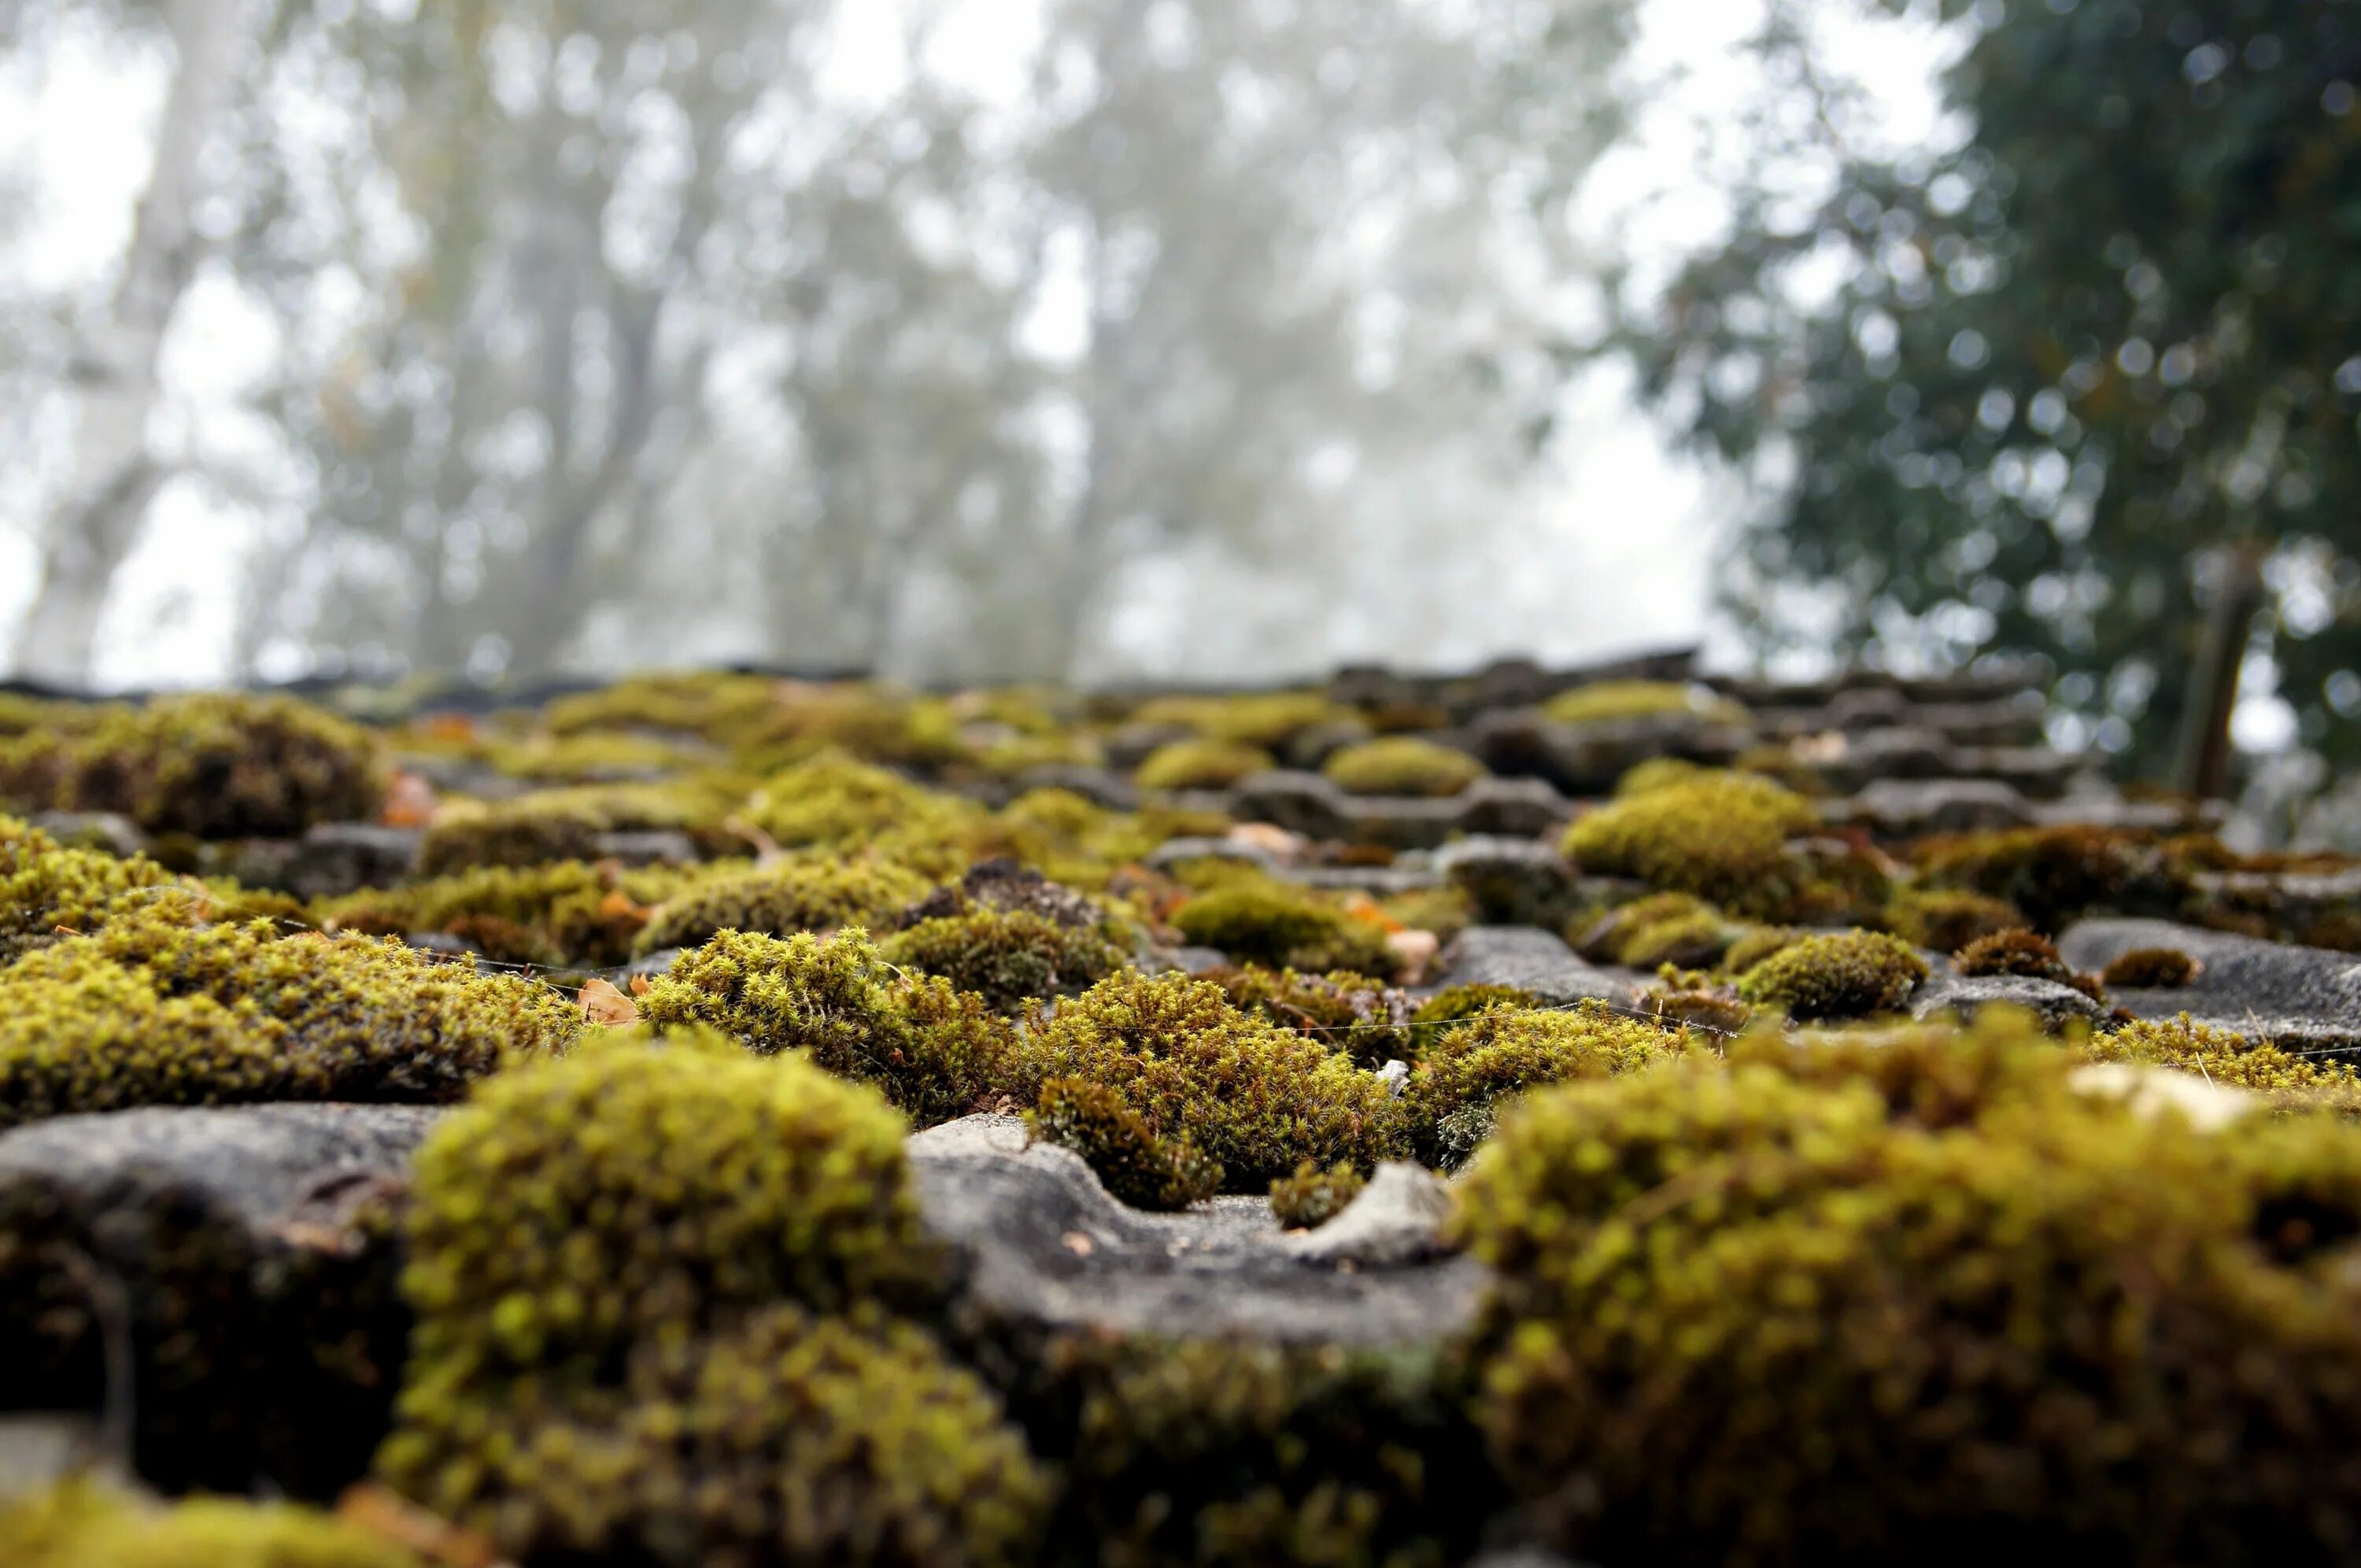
(1621, 557)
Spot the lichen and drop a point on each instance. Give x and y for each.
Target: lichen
(1847, 974)
(1401, 765)
(1310, 1196)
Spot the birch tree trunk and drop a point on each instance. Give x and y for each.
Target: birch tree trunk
(115, 475)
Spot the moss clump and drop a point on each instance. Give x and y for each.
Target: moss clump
(562, 914)
(1366, 1019)
(1255, 920)
(1010, 958)
(1457, 1004)
(1664, 927)
(1761, 943)
(1907, 1295)
(2293, 1082)
(1264, 720)
(1945, 920)
(1722, 837)
(935, 1052)
(789, 896)
(1135, 1165)
(212, 766)
(1848, 974)
(2023, 954)
(1455, 1093)
(1401, 765)
(529, 832)
(1256, 1099)
(831, 801)
(1312, 1197)
(1640, 700)
(1201, 765)
(44, 888)
(160, 1008)
(1646, 778)
(2056, 874)
(78, 1525)
(2152, 969)
(654, 1285)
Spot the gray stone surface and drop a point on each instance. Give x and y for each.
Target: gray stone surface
(1513, 882)
(2054, 1004)
(1587, 759)
(658, 847)
(1174, 851)
(1529, 958)
(1906, 809)
(1396, 1221)
(338, 857)
(1103, 786)
(2304, 998)
(1308, 804)
(107, 830)
(1038, 1246)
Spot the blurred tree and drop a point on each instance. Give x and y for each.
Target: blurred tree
(2084, 384)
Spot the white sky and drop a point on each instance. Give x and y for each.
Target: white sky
(1621, 558)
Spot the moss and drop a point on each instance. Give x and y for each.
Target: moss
(1469, 1073)
(1312, 1197)
(562, 914)
(795, 895)
(1664, 927)
(212, 766)
(2293, 1080)
(44, 888)
(1906, 1296)
(933, 1051)
(1759, 944)
(1257, 920)
(1848, 974)
(1722, 837)
(2023, 954)
(833, 801)
(80, 1525)
(655, 1284)
(528, 831)
(1947, 920)
(1646, 778)
(2056, 874)
(1201, 765)
(1640, 700)
(1401, 765)
(1135, 1165)
(2158, 969)
(1264, 720)
(1010, 958)
(159, 1008)
(1256, 1099)
(1457, 1004)
(1366, 1019)
(591, 756)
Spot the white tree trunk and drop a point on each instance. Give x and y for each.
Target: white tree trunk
(115, 475)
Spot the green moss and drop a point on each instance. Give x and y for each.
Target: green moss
(1264, 720)
(158, 1008)
(2160, 969)
(591, 755)
(1457, 1004)
(1132, 1162)
(1457, 1089)
(2023, 954)
(566, 824)
(1201, 765)
(1257, 1100)
(1008, 757)
(1759, 944)
(1906, 1295)
(44, 888)
(1256, 920)
(1947, 920)
(933, 1051)
(2056, 875)
(1640, 700)
(1312, 1197)
(799, 894)
(1401, 765)
(1646, 778)
(1848, 974)
(80, 1525)
(224, 766)
(1664, 927)
(1010, 958)
(654, 1285)
(2293, 1082)
(1722, 837)
(1366, 1019)
(565, 912)
(833, 801)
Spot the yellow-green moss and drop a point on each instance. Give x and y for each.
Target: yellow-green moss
(1640, 700)
(1264, 720)
(1256, 1099)
(1457, 1004)
(1310, 1196)
(45, 890)
(1907, 1295)
(1010, 958)
(1646, 778)
(1131, 1161)
(1401, 765)
(2056, 874)
(833, 801)
(1201, 765)
(1664, 927)
(78, 1524)
(799, 894)
(654, 1285)
(1945, 920)
(933, 1051)
(1759, 944)
(2023, 954)
(564, 913)
(1366, 1019)
(1847, 974)
(158, 1008)
(2292, 1080)
(1257, 920)
(1722, 837)
(1457, 1091)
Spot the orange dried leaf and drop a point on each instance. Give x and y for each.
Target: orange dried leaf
(397, 1521)
(642, 985)
(409, 802)
(603, 1003)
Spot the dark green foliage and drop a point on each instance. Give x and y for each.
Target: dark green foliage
(1907, 1295)
(1312, 1197)
(1131, 1161)
(1256, 1099)
(1849, 974)
(1009, 957)
(1264, 922)
(932, 1050)
(787, 896)
(1467, 1074)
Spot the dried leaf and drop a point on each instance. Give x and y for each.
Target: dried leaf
(1414, 950)
(409, 802)
(394, 1518)
(603, 1003)
(619, 905)
(642, 985)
